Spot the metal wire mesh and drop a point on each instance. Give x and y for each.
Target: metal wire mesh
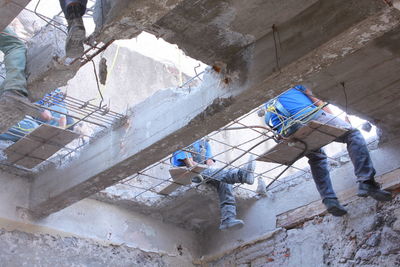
(231, 154)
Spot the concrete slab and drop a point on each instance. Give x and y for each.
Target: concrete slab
(152, 136)
(39, 145)
(9, 10)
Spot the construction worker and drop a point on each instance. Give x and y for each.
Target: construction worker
(292, 109)
(14, 103)
(55, 102)
(74, 11)
(222, 179)
(55, 115)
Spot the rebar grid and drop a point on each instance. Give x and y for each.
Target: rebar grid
(265, 134)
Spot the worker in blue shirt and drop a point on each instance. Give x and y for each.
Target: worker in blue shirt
(295, 107)
(53, 101)
(200, 153)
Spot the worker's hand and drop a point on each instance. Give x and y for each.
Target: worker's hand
(46, 115)
(209, 162)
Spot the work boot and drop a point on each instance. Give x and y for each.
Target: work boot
(76, 35)
(231, 223)
(373, 189)
(247, 172)
(197, 179)
(333, 206)
(14, 105)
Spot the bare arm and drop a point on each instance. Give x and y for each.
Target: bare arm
(318, 102)
(189, 162)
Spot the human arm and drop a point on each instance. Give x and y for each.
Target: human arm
(318, 102)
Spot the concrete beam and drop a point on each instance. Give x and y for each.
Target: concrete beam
(156, 130)
(125, 19)
(9, 10)
(46, 67)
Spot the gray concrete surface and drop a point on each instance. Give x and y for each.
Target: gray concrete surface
(260, 216)
(216, 108)
(9, 10)
(368, 236)
(89, 222)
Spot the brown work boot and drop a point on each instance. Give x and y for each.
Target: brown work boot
(13, 108)
(76, 35)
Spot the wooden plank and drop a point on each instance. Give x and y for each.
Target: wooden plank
(181, 176)
(295, 217)
(39, 145)
(314, 134)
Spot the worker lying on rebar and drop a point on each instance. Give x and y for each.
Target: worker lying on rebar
(222, 179)
(295, 107)
(14, 102)
(74, 11)
(54, 101)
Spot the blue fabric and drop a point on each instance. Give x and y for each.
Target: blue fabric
(295, 102)
(179, 156)
(19, 130)
(54, 97)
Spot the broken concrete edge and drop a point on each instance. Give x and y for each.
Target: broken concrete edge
(296, 217)
(46, 67)
(240, 100)
(264, 237)
(124, 19)
(9, 10)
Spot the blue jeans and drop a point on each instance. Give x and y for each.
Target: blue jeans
(223, 181)
(15, 61)
(65, 3)
(358, 152)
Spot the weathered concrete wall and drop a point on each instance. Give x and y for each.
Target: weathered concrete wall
(260, 215)
(20, 248)
(368, 236)
(91, 227)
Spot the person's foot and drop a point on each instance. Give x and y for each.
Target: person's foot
(231, 224)
(76, 35)
(13, 107)
(248, 171)
(373, 189)
(333, 206)
(197, 179)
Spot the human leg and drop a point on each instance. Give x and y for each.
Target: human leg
(14, 103)
(318, 162)
(360, 157)
(227, 206)
(15, 62)
(74, 10)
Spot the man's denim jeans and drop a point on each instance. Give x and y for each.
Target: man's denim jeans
(358, 152)
(65, 3)
(15, 61)
(223, 181)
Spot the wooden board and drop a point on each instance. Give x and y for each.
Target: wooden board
(39, 145)
(181, 176)
(314, 134)
(290, 219)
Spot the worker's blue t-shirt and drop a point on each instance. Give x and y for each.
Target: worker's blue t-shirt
(179, 156)
(295, 102)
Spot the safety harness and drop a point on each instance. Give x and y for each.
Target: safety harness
(287, 123)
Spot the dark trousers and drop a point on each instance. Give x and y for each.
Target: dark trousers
(358, 152)
(64, 4)
(223, 180)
